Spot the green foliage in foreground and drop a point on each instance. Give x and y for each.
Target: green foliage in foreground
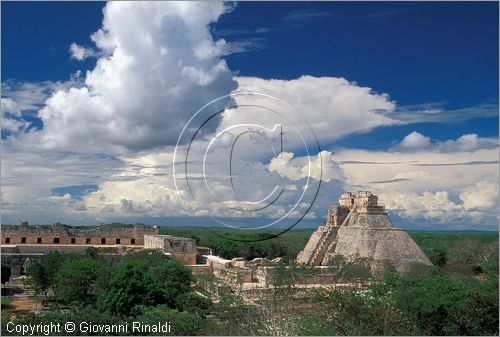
(145, 286)
(145, 279)
(438, 304)
(75, 280)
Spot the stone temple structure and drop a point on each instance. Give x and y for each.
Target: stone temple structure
(359, 228)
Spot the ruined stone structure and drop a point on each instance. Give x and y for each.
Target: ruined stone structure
(241, 271)
(359, 228)
(24, 242)
(182, 249)
(59, 234)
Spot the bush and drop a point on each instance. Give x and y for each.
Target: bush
(181, 323)
(147, 278)
(193, 303)
(350, 313)
(440, 305)
(75, 280)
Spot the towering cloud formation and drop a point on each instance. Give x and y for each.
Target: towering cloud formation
(159, 65)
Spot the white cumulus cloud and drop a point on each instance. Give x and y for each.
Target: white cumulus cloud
(470, 142)
(332, 106)
(426, 205)
(482, 195)
(415, 141)
(157, 64)
(433, 185)
(147, 83)
(322, 166)
(10, 106)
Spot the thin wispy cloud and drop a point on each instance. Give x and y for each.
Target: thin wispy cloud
(291, 20)
(303, 16)
(246, 45)
(241, 32)
(474, 162)
(380, 15)
(389, 181)
(438, 113)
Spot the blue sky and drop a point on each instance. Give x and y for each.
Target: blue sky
(444, 53)
(437, 63)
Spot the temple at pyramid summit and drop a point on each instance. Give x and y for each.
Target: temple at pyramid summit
(359, 228)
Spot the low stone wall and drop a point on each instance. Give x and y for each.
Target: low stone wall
(198, 269)
(231, 271)
(324, 275)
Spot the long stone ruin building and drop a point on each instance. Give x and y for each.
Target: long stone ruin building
(359, 228)
(23, 242)
(59, 234)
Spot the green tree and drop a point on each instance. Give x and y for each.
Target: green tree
(51, 263)
(169, 280)
(37, 278)
(233, 317)
(75, 280)
(147, 278)
(91, 252)
(356, 270)
(127, 288)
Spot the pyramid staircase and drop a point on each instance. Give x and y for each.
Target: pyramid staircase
(320, 242)
(324, 243)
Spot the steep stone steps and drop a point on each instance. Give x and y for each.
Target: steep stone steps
(307, 253)
(326, 240)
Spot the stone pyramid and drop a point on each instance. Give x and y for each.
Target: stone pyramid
(360, 228)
